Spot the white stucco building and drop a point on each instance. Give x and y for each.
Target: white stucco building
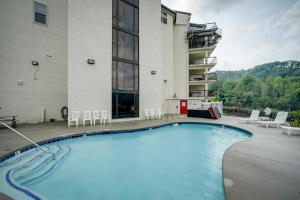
(116, 55)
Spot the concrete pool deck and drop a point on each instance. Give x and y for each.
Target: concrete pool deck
(266, 166)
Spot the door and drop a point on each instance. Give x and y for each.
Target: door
(183, 107)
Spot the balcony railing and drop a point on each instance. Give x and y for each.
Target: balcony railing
(203, 61)
(203, 35)
(202, 44)
(212, 76)
(203, 77)
(201, 93)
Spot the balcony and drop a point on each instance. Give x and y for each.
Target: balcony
(203, 78)
(203, 61)
(201, 94)
(203, 35)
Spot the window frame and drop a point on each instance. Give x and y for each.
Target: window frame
(46, 13)
(134, 62)
(164, 17)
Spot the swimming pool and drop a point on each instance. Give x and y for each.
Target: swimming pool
(170, 162)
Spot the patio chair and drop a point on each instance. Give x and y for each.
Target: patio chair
(104, 116)
(74, 117)
(159, 113)
(279, 120)
(146, 113)
(96, 116)
(254, 117)
(87, 116)
(152, 113)
(290, 130)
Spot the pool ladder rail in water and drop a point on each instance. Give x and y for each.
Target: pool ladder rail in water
(32, 166)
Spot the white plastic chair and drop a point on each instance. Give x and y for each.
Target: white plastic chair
(152, 113)
(254, 117)
(104, 116)
(87, 116)
(280, 119)
(159, 113)
(146, 113)
(96, 116)
(74, 117)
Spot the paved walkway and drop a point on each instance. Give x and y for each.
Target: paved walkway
(266, 166)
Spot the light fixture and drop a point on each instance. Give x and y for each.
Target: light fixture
(91, 61)
(153, 72)
(20, 82)
(35, 63)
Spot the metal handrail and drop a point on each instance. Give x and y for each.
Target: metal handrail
(26, 138)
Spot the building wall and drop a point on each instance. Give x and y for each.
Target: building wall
(76, 31)
(89, 36)
(180, 45)
(150, 54)
(167, 60)
(22, 41)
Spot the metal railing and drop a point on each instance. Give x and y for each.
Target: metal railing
(203, 61)
(29, 140)
(203, 77)
(202, 44)
(212, 26)
(201, 93)
(212, 76)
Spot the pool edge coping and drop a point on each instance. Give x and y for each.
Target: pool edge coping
(94, 133)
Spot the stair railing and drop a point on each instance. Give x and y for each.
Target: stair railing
(29, 140)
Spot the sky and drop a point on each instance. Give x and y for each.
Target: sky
(253, 31)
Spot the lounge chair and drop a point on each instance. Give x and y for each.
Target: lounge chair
(290, 130)
(87, 116)
(159, 114)
(279, 120)
(254, 117)
(96, 116)
(104, 116)
(146, 113)
(74, 117)
(152, 113)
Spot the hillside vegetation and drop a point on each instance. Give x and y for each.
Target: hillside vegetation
(275, 85)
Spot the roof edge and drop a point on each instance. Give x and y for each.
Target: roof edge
(181, 12)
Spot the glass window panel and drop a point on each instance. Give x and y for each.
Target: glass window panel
(114, 43)
(40, 18)
(114, 75)
(126, 105)
(136, 78)
(126, 16)
(136, 20)
(125, 76)
(40, 8)
(114, 105)
(136, 104)
(125, 45)
(115, 12)
(136, 50)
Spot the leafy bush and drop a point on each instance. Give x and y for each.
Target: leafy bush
(295, 118)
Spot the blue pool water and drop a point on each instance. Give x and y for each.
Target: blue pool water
(183, 162)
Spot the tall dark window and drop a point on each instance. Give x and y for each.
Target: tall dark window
(125, 56)
(40, 13)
